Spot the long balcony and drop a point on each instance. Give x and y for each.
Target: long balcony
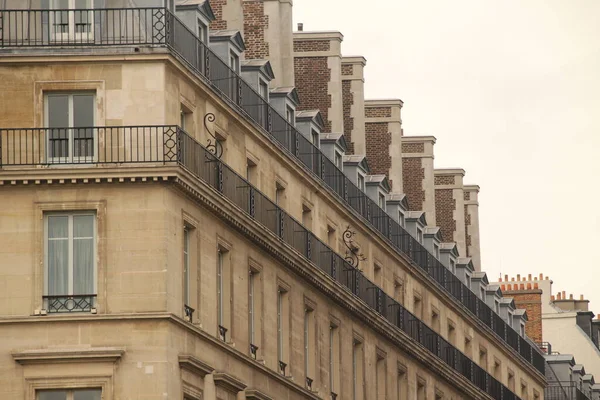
(157, 27)
(129, 146)
(565, 391)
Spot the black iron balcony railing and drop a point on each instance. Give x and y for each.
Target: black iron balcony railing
(69, 303)
(565, 391)
(174, 147)
(159, 27)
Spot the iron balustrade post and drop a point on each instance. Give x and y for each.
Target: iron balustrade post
(252, 202)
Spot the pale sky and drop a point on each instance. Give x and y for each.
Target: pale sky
(511, 91)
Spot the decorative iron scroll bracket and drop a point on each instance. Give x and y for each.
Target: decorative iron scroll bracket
(213, 146)
(353, 257)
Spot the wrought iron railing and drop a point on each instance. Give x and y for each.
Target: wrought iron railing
(158, 26)
(568, 390)
(69, 303)
(175, 146)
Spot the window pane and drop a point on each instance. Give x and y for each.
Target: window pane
(83, 254)
(52, 395)
(58, 116)
(83, 116)
(88, 394)
(58, 258)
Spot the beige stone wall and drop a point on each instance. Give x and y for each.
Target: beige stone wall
(176, 86)
(279, 36)
(353, 97)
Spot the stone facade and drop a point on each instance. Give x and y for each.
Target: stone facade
(417, 157)
(173, 256)
(450, 206)
(471, 195)
(312, 74)
(353, 98)
(348, 99)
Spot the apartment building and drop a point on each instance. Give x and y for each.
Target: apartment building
(184, 215)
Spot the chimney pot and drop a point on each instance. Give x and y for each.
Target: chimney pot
(546, 278)
(552, 297)
(571, 296)
(535, 286)
(558, 296)
(541, 277)
(564, 294)
(535, 278)
(506, 278)
(529, 277)
(512, 279)
(529, 286)
(518, 277)
(580, 297)
(300, 26)
(598, 316)
(522, 286)
(500, 278)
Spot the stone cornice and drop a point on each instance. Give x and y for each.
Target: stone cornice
(195, 365)
(69, 355)
(228, 382)
(254, 394)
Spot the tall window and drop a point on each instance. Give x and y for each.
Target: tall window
(186, 266)
(223, 294)
(338, 160)
(357, 370)
(282, 329)
(289, 115)
(70, 278)
(263, 89)
(314, 137)
(334, 359)
(234, 62)
(306, 217)
(202, 31)
(401, 219)
(254, 311)
(78, 394)
(419, 235)
(361, 182)
(75, 24)
(279, 191)
(402, 388)
(309, 346)
(380, 378)
(436, 251)
(70, 119)
(382, 201)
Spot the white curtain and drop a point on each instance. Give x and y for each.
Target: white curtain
(83, 254)
(58, 255)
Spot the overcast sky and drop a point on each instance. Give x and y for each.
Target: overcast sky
(511, 91)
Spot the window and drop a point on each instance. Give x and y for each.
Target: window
(309, 346)
(522, 329)
(361, 182)
(401, 219)
(263, 89)
(419, 235)
(452, 266)
(331, 240)
(382, 201)
(251, 174)
(314, 137)
(234, 62)
(468, 347)
(417, 306)
(186, 266)
(306, 216)
(78, 394)
(282, 329)
(223, 293)
(399, 290)
(482, 293)
(289, 115)
(511, 380)
(421, 389)
(202, 31)
(377, 275)
(338, 160)
(70, 117)
(402, 383)
(497, 306)
(357, 370)
(435, 319)
(436, 251)
(380, 377)
(279, 191)
(70, 271)
(483, 358)
(468, 280)
(510, 319)
(451, 333)
(334, 358)
(75, 25)
(254, 311)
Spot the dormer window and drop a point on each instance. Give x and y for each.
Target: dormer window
(314, 135)
(338, 160)
(482, 290)
(522, 329)
(202, 31)
(382, 201)
(263, 89)
(289, 115)
(510, 318)
(497, 306)
(234, 62)
(419, 235)
(468, 280)
(401, 219)
(361, 182)
(452, 266)
(436, 251)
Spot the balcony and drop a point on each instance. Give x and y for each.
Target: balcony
(564, 391)
(125, 146)
(21, 30)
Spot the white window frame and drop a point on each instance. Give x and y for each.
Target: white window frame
(436, 250)
(360, 181)
(419, 235)
(401, 219)
(202, 31)
(71, 35)
(338, 160)
(70, 239)
(290, 115)
(234, 61)
(382, 200)
(314, 138)
(263, 89)
(70, 128)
